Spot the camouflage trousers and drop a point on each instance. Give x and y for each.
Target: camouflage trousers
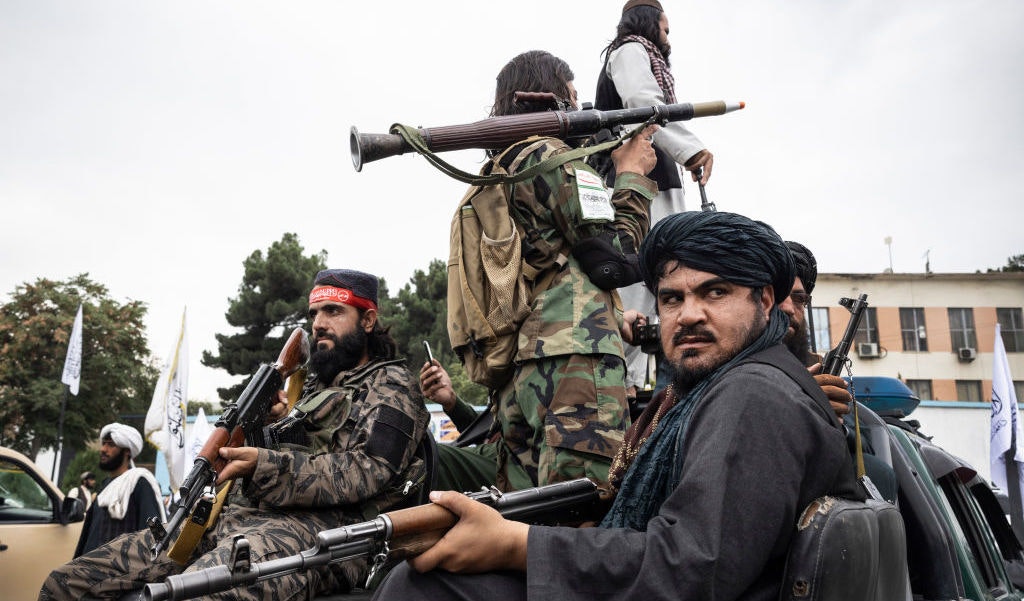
(124, 564)
(467, 469)
(562, 418)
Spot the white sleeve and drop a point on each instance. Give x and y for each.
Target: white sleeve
(629, 68)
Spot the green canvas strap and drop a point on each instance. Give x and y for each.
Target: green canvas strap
(415, 139)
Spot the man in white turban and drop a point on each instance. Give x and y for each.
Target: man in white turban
(127, 498)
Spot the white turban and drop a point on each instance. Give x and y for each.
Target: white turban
(123, 436)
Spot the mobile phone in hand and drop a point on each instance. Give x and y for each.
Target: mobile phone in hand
(430, 356)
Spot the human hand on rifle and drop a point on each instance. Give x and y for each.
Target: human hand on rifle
(699, 166)
(636, 155)
(241, 462)
(835, 388)
(481, 541)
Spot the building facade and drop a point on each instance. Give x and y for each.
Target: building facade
(934, 331)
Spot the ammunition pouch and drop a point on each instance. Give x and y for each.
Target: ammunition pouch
(609, 259)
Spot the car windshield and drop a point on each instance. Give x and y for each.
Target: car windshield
(19, 490)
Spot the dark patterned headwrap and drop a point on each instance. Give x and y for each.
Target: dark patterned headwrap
(737, 248)
(806, 266)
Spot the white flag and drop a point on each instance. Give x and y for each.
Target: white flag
(1005, 419)
(165, 420)
(197, 436)
(72, 375)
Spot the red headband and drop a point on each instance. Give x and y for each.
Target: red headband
(340, 295)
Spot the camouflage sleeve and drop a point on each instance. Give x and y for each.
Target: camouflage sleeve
(369, 452)
(559, 189)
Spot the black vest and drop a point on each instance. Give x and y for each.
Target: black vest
(665, 172)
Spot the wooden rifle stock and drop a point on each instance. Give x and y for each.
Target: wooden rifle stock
(496, 133)
(240, 423)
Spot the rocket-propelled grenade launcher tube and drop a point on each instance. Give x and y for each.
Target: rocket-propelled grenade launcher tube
(496, 133)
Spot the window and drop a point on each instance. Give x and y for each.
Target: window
(922, 388)
(1018, 389)
(968, 391)
(1012, 322)
(961, 329)
(23, 497)
(868, 329)
(822, 334)
(912, 329)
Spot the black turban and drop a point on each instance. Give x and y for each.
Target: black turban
(806, 266)
(737, 248)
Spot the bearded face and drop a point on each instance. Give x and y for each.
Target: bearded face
(112, 456)
(796, 339)
(345, 352)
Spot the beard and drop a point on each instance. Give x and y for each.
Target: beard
(798, 343)
(686, 378)
(113, 462)
(346, 353)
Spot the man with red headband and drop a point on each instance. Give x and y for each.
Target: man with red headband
(346, 452)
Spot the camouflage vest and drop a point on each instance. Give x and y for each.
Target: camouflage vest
(326, 411)
(329, 410)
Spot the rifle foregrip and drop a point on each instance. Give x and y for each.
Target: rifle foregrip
(422, 518)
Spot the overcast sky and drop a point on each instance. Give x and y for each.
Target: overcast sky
(155, 145)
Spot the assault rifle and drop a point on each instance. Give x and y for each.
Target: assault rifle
(390, 536)
(501, 132)
(241, 423)
(834, 360)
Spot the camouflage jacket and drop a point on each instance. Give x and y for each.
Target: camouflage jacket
(572, 316)
(363, 439)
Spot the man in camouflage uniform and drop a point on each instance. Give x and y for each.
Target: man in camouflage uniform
(350, 454)
(563, 413)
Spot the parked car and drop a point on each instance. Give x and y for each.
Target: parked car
(959, 542)
(39, 528)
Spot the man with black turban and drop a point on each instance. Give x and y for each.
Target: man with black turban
(795, 306)
(714, 477)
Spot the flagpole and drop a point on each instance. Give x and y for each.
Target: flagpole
(1013, 492)
(71, 377)
(60, 433)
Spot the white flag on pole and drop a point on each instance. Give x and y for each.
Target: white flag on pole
(1005, 418)
(197, 436)
(72, 375)
(165, 420)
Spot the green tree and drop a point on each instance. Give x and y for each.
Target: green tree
(193, 407)
(272, 300)
(1014, 263)
(419, 312)
(118, 373)
(85, 461)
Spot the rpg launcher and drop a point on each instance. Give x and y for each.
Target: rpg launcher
(241, 424)
(497, 133)
(389, 537)
(834, 360)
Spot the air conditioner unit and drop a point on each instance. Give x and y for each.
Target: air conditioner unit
(867, 349)
(967, 354)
